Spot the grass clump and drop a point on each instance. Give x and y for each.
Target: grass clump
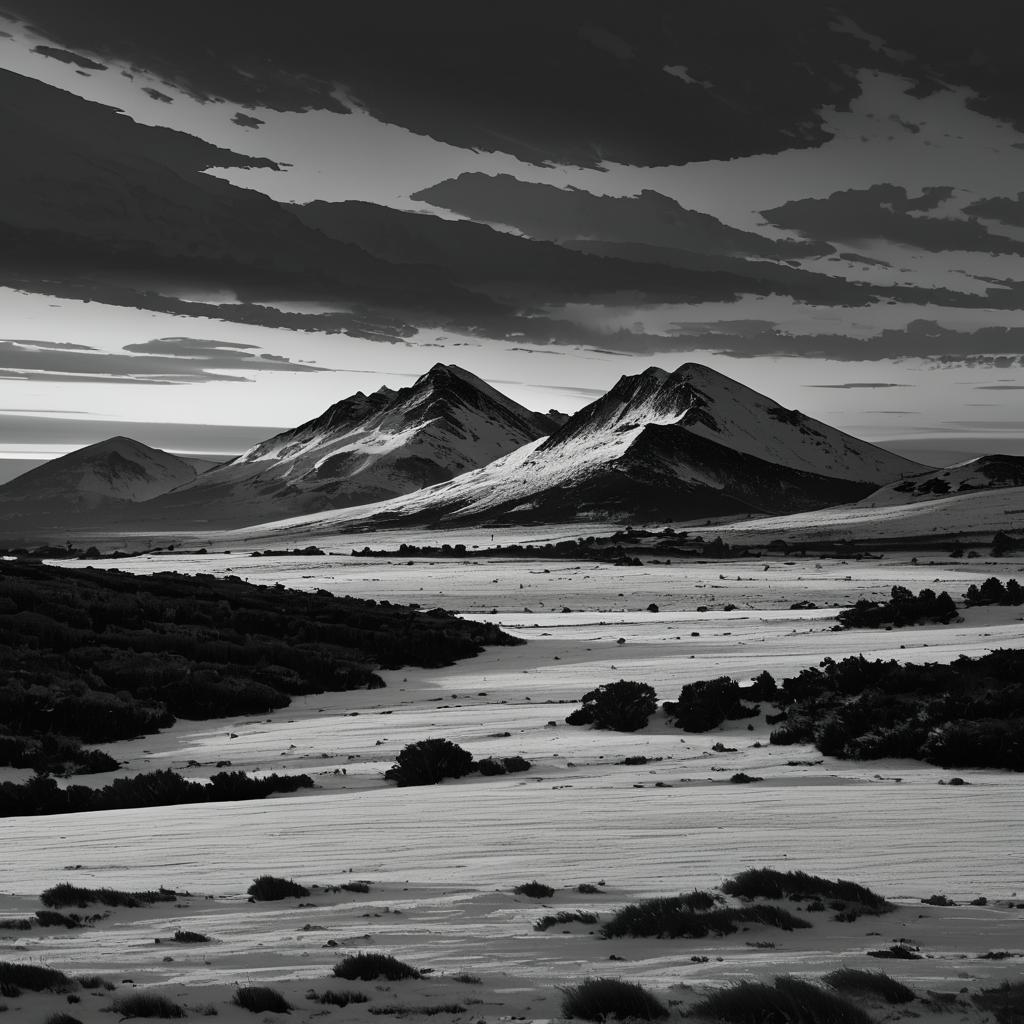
(32, 976)
(873, 983)
(564, 917)
(91, 981)
(15, 924)
(55, 919)
(693, 916)
(147, 1004)
(260, 999)
(769, 884)
(267, 888)
(370, 966)
(182, 935)
(67, 895)
(1005, 1003)
(897, 951)
(535, 890)
(417, 1011)
(785, 1001)
(465, 978)
(362, 887)
(330, 998)
(62, 1018)
(599, 998)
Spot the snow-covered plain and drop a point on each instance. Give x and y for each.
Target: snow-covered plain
(442, 861)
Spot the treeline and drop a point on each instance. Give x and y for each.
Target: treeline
(904, 608)
(42, 795)
(968, 714)
(93, 656)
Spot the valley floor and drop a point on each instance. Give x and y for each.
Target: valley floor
(442, 861)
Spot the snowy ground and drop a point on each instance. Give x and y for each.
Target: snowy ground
(442, 861)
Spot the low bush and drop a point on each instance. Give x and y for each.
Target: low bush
(872, 983)
(417, 1011)
(67, 895)
(587, 889)
(598, 999)
(147, 1004)
(770, 884)
(693, 917)
(535, 890)
(1005, 1003)
(62, 1018)
(370, 966)
(55, 919)
(785, 1001)
(706, 704)
(897, 951)
(902, 609)
(190, 937)
(267, 888)
(15, 924)
(464, 978)
(503, 765)
(624, 706)
(330, 998)
(428, 762)
(260, 999)
(32, 976)
(360, 887)
(94, 981)
(565, 917)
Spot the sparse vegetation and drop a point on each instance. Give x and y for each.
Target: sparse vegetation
(67, 895)
(260, 999)
(994, 591)
(770, 884)
(598, 999)
(897, 951)
(624, 706)
(535, 890)
(1005, 1003)
(707, 703)
(503, 765)
(428, 762)
(267, 888)
(902, 609)
(564, 917)
(370, 966)
(185, 936)
(147, 1004)
(330, 998)
(32, 976)
(417, 1011)
(870, 983)
(785, 1001)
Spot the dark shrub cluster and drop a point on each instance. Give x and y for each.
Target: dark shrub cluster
(624, 706)
(370, 966)
(968, 714)
(785, 1001)
(260, 999)
(871, 983)
(428, 762)
(42, 794)
(564, 917)
(268, 888)
(92, 656)
(1005, 1003)
(535, 890)
(770, 884)
(32, 976)
(183, 935)
(902, 609)
(598, 999)
(994, 591)
(148, 1004)
(707, 703)
(67, 895)
(503, 765)
(330, 998)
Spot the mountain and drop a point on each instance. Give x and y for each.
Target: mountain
(365, 448)
(990, 472)
(680, 445)
(89, 482)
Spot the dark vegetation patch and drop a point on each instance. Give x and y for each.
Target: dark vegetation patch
(564, 917)
(330, 998)
(624, 706)
(902, 609)
(370, 966)
(994, 591)
(183, 935)
(427, 762)
(503, 765)
(55, 919)
(706, 704)
(260, 999)
(32, 976)
(417, 1011)
(147, 1004)
(598, 999)
(42, 794)
(1005, 1003)
(785, 1001)
(770, 884)
(870, 983)
(268, 888)
(967, 714)
(92, 656)
(897, 951)
(62, 1018)
(535, 890)
(67, 895)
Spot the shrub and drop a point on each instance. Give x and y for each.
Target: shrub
(903, 609)
(370, 966)
(786, 1001)
(329, 998)
(147, 1004)
(875, 983)
(427, 762)
(62, 1018)
(693, 916)
(897, 951)
(707, 703)
(624, 706)
(535, 890)
(66, 895)
(1005, 1003)
(503, 765)
(767, 883)
(260, 999)
(599, 998)
(464, 978)
(15, 924)
(192, 937)
(92, 981)
(361, 887)
(417, 1011)
(54, 919)
(267, 888)
(32, 976)
(564, 917)
(587, 889)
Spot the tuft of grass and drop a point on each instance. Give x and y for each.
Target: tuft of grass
(260, 999)
(599, 998)
(769, 884)
(355, 887)
(873, 983)
(91, 981)
(693, 916)
(564, 917)
(897, 951)
(32, 977)
(786, 1001)
(55, 919)
(147, 1004)
(330, 998)
(465, 978)
(1005, 1003)
(536, 890)
(370, 966)
(267, 888)
(186, 936)
(67, 895)
(417, 1011)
